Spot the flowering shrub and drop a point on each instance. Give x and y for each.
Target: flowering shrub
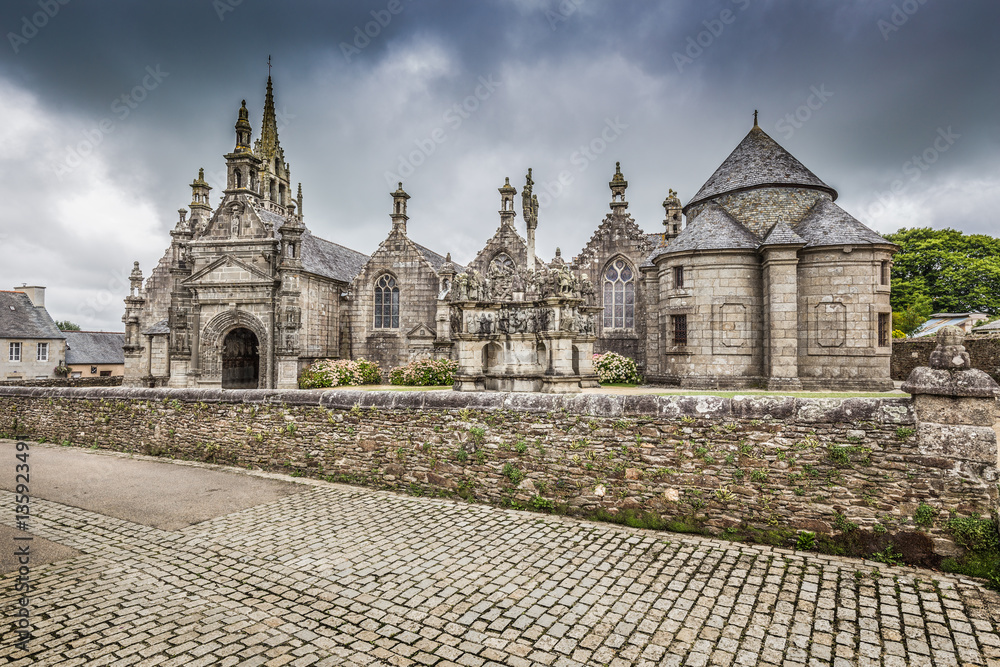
(340, 373)
(613, 368)
(425, 373)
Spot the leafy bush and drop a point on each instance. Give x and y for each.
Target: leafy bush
(425, 373)
(974, 533)
(340, 373)
(513, 474)
(805, 541)
(613, 368)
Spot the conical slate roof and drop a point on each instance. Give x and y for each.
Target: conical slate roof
(713, 229)
(758, 161)
(828, 224)
(782, 234)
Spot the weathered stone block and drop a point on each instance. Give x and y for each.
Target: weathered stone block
(975, 443)
(955, 410)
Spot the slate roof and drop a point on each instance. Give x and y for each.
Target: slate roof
(19, 318)
(782, 234)
(271, 217)
(436, 260)
(161, 327)
(319, 256)
(94, 347)
(828, 224)
(331, 260)
(712, 229)
(988, 328)
(756, 162)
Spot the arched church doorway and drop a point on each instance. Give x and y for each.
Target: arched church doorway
(240, 360)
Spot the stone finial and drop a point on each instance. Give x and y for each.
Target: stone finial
(950, 372)
(950, 353)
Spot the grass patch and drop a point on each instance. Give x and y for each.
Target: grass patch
(793, 394)
(394, 387)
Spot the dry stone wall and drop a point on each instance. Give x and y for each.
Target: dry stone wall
(984, 352)
(767, 466)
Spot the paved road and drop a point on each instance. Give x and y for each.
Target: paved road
(335, 575)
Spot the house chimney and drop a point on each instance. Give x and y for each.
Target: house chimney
(35, 292)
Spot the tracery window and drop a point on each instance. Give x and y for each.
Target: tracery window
(619, 296)
(386, 303)
(504, 262)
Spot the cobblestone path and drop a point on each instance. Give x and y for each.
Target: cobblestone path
(343, 576)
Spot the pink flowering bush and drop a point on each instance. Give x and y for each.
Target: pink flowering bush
(340, 373)
(613, 368)
(425, 373)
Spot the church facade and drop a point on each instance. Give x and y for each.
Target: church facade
(761, 280)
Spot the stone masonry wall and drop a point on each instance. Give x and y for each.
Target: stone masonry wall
(112, 381)
(984, 352)
(768, 465)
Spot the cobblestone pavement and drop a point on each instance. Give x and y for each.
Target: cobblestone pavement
(344, 576)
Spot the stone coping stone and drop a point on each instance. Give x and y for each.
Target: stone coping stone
(805, 410)
(969, 383)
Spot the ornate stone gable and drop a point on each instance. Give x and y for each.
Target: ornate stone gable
(228, 270)
(617, 231)
(235, 218)
(506, 240)
(396, 251)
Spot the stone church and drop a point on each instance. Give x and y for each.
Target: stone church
(761, 280)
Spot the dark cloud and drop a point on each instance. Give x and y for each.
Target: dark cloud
(855, 89)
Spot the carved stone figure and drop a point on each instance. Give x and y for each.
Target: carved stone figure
(950, 353)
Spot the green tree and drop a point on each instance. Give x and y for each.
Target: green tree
(954, 271)
(66, 325)
(910, 319)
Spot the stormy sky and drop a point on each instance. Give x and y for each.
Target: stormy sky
(108, 109)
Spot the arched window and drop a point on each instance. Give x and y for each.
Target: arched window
(386, 303)
(503, 262)
(619, 296)
(239, 178)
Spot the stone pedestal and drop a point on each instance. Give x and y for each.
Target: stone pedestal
(956, 411)
(287, 375)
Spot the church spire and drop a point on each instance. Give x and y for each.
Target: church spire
(276, 182)
(269, 127)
